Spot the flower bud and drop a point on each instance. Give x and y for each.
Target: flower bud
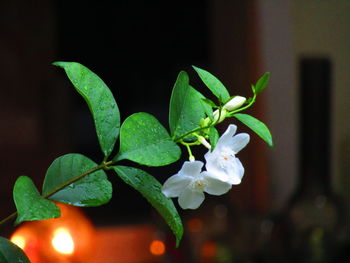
(234, 103)
(203, 141)
(219, 116)
(204, 122)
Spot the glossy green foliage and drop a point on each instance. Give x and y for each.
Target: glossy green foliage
(80, 189)
(261, 83)
(77, 180)
(186, 107)
(145, 141)
(100, 100)
(30, 204)
(213, 137)
(257, 126)
(208, 106)
(150, 188)
(10, 253)
(214, 84)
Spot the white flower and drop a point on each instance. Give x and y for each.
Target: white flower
(222, 162)
(234, 103)
(190, 183)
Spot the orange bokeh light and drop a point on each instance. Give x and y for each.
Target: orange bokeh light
(157, 247)
(62, 241)
(19, 240)
(195, 225)
(70, 237)
(209, 250)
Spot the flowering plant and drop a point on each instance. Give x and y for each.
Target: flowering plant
(77, 180)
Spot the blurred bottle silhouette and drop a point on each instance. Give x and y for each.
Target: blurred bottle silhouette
(312, 228)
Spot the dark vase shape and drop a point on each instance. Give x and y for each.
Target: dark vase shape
(312, 227)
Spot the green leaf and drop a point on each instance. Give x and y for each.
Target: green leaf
(150, 188)
(10, 253)
(210, 103)
(207, 107)
(257, 126)
(30, 204)
(100, 101)
(90, 190)
(186, 107)
(215, 85)
(261, 83)
(213, 137)
(145, 141)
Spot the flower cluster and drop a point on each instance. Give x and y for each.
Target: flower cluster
(223, 169)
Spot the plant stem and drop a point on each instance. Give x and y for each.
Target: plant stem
(195, 131)
(243, 108)
(179, 139)
(75, 179)
(8, 219)
(188, 147)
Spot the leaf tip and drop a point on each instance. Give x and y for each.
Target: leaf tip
(267, 76)
(177, 244)
(59, 64)
(178, 237)
(270, 143)
(197, 69)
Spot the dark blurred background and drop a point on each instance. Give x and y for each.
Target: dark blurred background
(138, 48)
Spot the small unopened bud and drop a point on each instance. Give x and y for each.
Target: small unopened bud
(219, 116)
(204, 122)
(203, 141)
(234, 103)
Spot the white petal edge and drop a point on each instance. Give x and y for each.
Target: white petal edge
(216, 186)
(240, 168)
(210, 156)
(226, 136)
(190, 199)
(217, 172)
(237, 173)
(238, 142)
(191, 168)
(174, 185)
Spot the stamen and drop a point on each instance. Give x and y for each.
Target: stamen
(199, 184)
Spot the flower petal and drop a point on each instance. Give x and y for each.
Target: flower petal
(191, 199)
(238, 142)
(222, 163)
(234, 172)
(215, 186)
(210, 157)
(226, 137)
(191, 168)
(217, 171)
(230, 171)
(175, 184)
(240, 169)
